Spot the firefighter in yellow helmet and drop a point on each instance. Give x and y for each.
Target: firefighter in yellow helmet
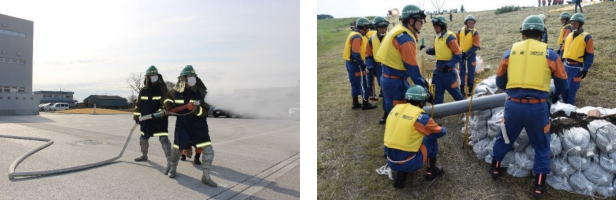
(411, 138)
(354, 54)
(525, 73)
(469, 42)
(578, 55)
(448, 54)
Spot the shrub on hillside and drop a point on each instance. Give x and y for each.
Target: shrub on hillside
(506, 9)
(324, 16)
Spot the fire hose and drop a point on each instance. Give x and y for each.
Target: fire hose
(49, 142)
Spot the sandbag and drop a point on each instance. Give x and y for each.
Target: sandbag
(555, 145)
(517, 171)
(580, 184)
(522, 160)
(598, 175)
(578, 162)
(575, 141)
(522, 141)
(605, 191)
(607, 163)
(559, 182)
(508, 159)
(479, 147)
(561, 167)
(495, 122)
(530, 152)
(605, 135)
(478, 130)
(567, 108)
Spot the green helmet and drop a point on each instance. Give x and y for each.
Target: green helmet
(532, 22)
(416, 93)
(362, 23)
(439, 20)
(565, 15)
(412, 11)
(469, 17)
(578, 17)
(151, 71)
(188, 70)
(380, 22)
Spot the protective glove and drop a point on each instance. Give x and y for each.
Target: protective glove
(554, 98)
(136, 118)
(582, 74)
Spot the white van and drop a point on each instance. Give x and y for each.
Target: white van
(58, 106)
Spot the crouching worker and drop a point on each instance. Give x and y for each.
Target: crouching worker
(410, 138)
(150, 100)
(191, 128)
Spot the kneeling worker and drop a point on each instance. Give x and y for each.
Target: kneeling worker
(410, 137)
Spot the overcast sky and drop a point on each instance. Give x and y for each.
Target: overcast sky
(91, 47)
(354, 8)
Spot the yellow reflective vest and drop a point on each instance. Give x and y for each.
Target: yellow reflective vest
(346, 53)
(370, 33)
(376, 44)
(441, 48)
(575, 48)
(561, 35)
(528, 66)
(388, 54)
(466, 39)
(400, 132)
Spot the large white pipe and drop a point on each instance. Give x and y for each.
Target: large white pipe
(457, 107)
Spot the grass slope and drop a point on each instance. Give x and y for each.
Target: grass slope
(350, 141)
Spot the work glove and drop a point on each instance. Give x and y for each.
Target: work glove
(136, 118)
(554, 98)
(582, 74)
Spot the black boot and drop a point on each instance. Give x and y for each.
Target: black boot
(497, 170)
(356, 104)
(197, 157)
(399, 179)
(433, 171)
(383, 119)
(367, 106)
(539, 188)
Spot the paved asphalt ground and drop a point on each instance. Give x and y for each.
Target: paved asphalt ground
(254, 159)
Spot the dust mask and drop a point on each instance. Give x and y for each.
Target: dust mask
(191, 81)
(153, 79)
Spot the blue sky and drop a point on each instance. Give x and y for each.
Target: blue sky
(354, 8)
(91, 47)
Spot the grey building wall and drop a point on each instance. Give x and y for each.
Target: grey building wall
(55, 97)
(16, 67)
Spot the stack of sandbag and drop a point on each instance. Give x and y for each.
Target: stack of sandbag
(583, 145)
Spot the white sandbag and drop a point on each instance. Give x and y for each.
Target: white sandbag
(479, 147)
(530, 152)
(598, 175)
(561, 167)
(607, 163)
(558, 182)
(567, 108)
(478, 130)
(555, 145)
(580, 184)
(483, 114)
(508, 159)
(605, 135)
(584, 110)
(522, 160)
(517, 171)
(495, 122)
(575, 141)
(605, 191)
(590, 150)
(578, 162)
(488, 158)
(522, 141)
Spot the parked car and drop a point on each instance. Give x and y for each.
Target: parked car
(44, 106)
(58, 106)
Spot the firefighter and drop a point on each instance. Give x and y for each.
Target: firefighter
(374, 66)
(411, 138)
(564, 31)
(397, 56)
(150, 100)
(447, 53)
(524, 73)
(191, 129)
(578, 55)
(354, 56)
(469, 44)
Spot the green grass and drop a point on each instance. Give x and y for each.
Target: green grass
(350, 141)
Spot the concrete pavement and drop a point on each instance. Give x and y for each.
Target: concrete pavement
(254, 159)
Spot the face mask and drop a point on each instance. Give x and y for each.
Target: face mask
(191, 81)
(153, 79)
